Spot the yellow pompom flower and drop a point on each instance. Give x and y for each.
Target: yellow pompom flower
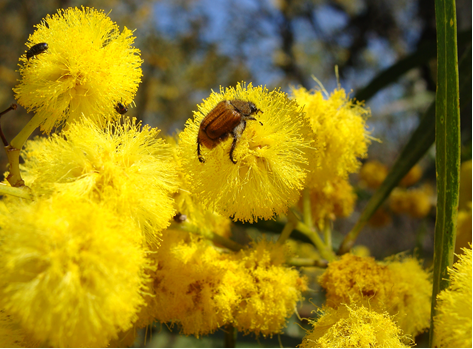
(334, 198)
(189, 288)
(202, 289)
(12, 335)
(415, 202)
(270, 158)
(269, 291)
(372, 174)
(72, 270)
(88, 67)
(124, 166)
(399, 286)
(354, 327)
(340, 133)
(453, 320)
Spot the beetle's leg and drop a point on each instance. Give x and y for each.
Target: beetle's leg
(233, 147)
(201, 159)
(236, 133)
(252, 118)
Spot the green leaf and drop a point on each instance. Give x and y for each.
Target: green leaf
(419, 143)
(447, 136)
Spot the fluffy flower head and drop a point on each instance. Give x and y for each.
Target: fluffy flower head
(270, 159)
(88, 68)
(339, 127)
(399, 286)
(334, 199)
(453, 320)
(354, 327)
(72, 271)
(124, 166)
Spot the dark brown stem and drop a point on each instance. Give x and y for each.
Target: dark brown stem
(11, 107)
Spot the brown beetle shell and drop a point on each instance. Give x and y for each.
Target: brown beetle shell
(226, 118)
(218, 124)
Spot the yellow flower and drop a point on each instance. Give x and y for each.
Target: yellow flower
(334, 198)
(414, 202)
(341, 136)
(412, 177)
(198, 218)
(202, 289)
(373, 173)
(269, 291)
(88, 67)
(400, 286)
(453, 320)
(124, 166)
(72, 271)
(12, 335)
(354, 327)
(270, 164)
(188, 287)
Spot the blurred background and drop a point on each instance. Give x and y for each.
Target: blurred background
(191, 47)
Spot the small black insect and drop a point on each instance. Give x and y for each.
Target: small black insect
(36, 50)
(120, 108)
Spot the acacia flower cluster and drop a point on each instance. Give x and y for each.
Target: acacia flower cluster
(202, 289)
(398, 286)
(88, 68)
(123, 228)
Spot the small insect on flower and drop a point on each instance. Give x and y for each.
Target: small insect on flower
(36, 50)
(227, 117)
(120, 108)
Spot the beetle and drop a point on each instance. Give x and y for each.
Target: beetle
(36, 50)
(120, 108)
(228, 117)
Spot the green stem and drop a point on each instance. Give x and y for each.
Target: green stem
(328, 232)
(13, 151)
(447, 160)
(21, 192)
(306, 207)
(29, 128)
(307, 262)
(286, 232)
(325, 251)
(230, 244)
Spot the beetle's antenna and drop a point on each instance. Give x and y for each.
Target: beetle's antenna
(11, 107)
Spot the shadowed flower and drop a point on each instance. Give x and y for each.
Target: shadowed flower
(335, 198)
(372, 174)
(415, 202)
(270, 158)
(88, 67)
(72, 271)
